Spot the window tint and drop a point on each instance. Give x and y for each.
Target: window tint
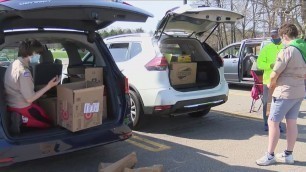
(252, 49)
(88, 59)
(119, 51)
(233, 50)
(135, 49)
(58, 51)
(9, 54)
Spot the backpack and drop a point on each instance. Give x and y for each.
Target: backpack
(300, 44)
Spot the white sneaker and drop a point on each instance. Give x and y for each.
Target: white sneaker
(282, 157)
(266, 160)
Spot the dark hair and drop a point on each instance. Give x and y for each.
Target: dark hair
(28, 47)
(288, 29)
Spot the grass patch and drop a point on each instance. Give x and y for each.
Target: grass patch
(58, 54)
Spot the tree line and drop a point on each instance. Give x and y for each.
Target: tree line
(261, 16)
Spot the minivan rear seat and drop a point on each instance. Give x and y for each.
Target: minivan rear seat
(46, 70)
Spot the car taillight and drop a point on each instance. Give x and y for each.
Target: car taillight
(163, 107)
(6, 160)
(126, 86)
(157, 64)
(3, 0)
(221, 60)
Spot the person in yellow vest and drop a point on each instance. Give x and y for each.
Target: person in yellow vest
(265, 62)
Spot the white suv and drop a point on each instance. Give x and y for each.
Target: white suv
(146, 63)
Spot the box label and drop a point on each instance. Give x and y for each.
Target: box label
(184, 72)
(91, 107)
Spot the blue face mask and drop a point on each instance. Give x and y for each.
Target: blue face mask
(35, 58)
(276, 41)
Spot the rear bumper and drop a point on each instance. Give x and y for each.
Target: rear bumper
(188, 106)
(13, 153)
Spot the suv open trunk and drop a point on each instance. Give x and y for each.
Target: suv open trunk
(206, 75)
(69, 40)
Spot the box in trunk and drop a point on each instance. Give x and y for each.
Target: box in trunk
(80, 105)
(94, 74)
(183, 73)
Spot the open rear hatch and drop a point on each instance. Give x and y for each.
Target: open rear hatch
(192, 64)
(88, 16)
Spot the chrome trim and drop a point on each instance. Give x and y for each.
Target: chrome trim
(196, 105)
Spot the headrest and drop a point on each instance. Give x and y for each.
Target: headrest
(58, 61)
(46, 57)
(249, 50)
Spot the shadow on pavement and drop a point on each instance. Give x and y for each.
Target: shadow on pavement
(240, 87)
(214, 126)
(302, 114)
(178, 158)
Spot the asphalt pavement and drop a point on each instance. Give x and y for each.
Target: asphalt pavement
(228, 139)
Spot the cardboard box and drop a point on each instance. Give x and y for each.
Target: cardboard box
(183, 73)
(76, 74)
(94, 74)
(49, 105)
(80, 105)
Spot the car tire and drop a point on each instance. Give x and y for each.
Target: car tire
(200, 113)
(136, 115)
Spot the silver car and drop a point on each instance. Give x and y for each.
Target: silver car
(238, 59)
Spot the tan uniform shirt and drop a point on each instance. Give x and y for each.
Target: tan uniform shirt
(18, 84)
(292, 68)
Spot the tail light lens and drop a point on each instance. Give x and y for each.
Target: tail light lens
(163, 107)
(126, 86)
(157, 64)
(220, 60)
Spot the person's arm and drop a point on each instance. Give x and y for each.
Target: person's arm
(53, 82)
(273, 78)
(27, 87)
(262, 60)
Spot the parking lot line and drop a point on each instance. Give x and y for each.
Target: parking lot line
(147, 144)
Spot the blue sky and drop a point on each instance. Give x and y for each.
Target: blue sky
(158, 8)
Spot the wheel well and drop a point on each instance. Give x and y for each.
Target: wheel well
(132, 88)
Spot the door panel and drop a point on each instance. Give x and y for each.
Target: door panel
(231, 61)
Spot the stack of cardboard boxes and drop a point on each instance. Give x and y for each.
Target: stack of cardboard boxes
(78, 105)
(182, 70)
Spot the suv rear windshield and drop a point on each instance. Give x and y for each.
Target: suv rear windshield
(124, 51)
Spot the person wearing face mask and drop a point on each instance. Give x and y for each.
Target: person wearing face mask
(19, 89)
(265, 62)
